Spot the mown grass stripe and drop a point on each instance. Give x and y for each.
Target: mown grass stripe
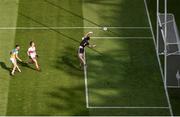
(8, 11)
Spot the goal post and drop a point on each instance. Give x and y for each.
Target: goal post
(168, 45)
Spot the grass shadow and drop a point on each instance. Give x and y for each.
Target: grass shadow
(71, 98)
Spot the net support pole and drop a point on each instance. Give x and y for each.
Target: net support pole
(165, 43)
(165, 54)
(157, 28)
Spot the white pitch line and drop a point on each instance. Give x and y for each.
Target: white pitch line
(174, 87)
(127, 107)
(123, 38)
(150, 24)
(47, 28)
(86, 86)
(86, 81)
(130, 27)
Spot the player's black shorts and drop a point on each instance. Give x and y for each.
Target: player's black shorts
(81, 50)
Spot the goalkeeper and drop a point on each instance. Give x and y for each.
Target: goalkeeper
(83, 44)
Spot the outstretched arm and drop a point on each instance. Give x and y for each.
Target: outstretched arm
(18, 58)
(92, 46)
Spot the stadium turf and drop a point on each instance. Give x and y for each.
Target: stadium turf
(6, 43)
(120, 72)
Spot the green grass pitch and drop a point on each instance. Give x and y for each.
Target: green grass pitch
(122, 73)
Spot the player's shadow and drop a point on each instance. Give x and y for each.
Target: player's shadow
(68, 61)
(26, 65)
(4, 66)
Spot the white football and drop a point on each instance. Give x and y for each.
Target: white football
(105, 28)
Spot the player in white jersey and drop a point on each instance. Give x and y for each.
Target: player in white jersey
(33, 55)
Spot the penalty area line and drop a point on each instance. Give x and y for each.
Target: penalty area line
(123, 38)
(126, 107)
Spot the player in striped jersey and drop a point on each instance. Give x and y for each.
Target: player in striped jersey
(14, 57)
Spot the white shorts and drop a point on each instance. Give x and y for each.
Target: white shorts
(33, 56)
(13, 60)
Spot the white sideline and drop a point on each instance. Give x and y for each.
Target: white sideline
(47, 28)
(150, 24)
(129, 107)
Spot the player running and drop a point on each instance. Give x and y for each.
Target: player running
(33, 55)
(83, 44)
(14, 57)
